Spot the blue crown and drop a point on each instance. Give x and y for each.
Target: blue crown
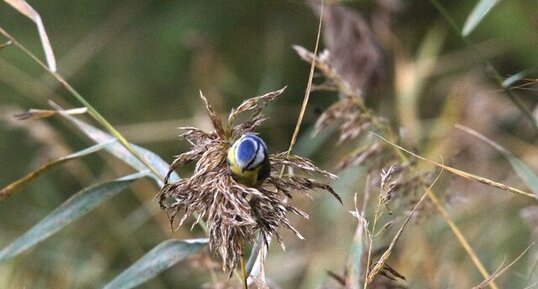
(248, 148)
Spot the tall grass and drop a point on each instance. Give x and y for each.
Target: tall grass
(432, 140)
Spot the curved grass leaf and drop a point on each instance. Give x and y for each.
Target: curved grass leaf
(119, 151)
(480, 11)
(6, 44)
(520, 168)
(75, 207)
(461, 173)
(25, 9)
(254, 259)
(160, 258)
(18, 184)
(509, 81)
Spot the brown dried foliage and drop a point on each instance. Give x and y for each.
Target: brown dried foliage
(233, 212)
(353, 118)
(349, 65)
(354, 52)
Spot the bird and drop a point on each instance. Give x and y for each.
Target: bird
(248, 160)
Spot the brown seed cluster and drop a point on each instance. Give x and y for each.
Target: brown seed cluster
(349, 113)
(234, 213)
(350, 66)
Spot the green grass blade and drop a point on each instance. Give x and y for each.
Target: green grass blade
(75, 207)
(25, 9)
(18, 184)
(524, 172)
(509, 81)
(119, 151)
(160, 258)
(354, 261)
(482, 8)
(255, 253)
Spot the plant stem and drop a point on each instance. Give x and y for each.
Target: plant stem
(307, 91)
(244, 276)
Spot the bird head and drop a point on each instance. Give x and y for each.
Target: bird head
(250, 151)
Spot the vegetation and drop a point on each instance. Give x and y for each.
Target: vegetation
(418, 116)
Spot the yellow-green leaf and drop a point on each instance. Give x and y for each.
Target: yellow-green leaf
(15, 186)
(160, 258)
(482, 8)
(75, 207)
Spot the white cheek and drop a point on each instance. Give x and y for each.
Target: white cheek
(243, 163)
(259, 157)
(240, 163)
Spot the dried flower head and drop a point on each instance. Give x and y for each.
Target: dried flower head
(235, 213)
(354, 120)
(354, 52)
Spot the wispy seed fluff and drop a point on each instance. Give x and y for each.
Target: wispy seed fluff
(235, 213)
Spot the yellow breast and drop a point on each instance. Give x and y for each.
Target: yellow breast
(246, 177)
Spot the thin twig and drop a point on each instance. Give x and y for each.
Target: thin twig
(308, 89)
(500, 271)
(462, 173)
(459, 235)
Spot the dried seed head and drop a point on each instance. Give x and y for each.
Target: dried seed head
(354, 53)
(235, 213)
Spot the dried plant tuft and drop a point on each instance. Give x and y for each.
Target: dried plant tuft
(235, 213)
(354, 51)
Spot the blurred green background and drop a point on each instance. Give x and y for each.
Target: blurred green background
(142, 64)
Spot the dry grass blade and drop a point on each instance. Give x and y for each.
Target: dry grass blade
(24, 8)
(308, 88)
(444, 213)
(459, 235)
(378, 267)
(463, 174)
(500, 271)
(44, 113)
(520, 168)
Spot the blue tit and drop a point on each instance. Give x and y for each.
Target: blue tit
(248, 160)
